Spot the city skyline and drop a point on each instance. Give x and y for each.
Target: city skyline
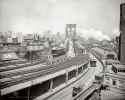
(90, 16)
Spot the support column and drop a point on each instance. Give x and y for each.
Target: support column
(28, 93)
(66, 76)
(77, 71)
(51, 85)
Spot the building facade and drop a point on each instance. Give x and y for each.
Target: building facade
(122, 34)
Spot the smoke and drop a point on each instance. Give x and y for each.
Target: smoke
(93, 33)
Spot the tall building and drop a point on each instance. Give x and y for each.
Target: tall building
(122, 34)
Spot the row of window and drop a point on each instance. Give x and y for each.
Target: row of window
(121, 70)
(110, 56)
(114, 69)
(110, 63)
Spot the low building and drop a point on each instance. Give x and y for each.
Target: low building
(117, 78)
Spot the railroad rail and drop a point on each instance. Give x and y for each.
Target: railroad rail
(85, 93)
(14, 77)
(19, 64)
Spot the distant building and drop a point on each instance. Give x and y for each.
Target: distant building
(122, 35)
(28, 38)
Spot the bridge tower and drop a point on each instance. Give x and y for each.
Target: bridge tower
(70, 31)
(69, 39)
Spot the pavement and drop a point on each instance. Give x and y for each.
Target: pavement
(111, 95)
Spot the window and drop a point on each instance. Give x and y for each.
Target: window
(85, 66)
(121, 70)
(59, 80)
(71, 74)
(39, 89)
(80, 70)
(114, 69)
(110, 56)
(93, 63)
(114, 82)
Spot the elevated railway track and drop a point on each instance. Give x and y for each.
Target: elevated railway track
(16, 65)
(9, 78)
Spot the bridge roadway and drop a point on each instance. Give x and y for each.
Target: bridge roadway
(23, 74)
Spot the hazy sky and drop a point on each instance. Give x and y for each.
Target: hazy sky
(40, 15)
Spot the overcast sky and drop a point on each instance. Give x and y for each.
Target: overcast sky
(39, 15)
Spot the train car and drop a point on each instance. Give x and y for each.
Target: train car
(56, 52)
(98, 78)
(93, 62)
